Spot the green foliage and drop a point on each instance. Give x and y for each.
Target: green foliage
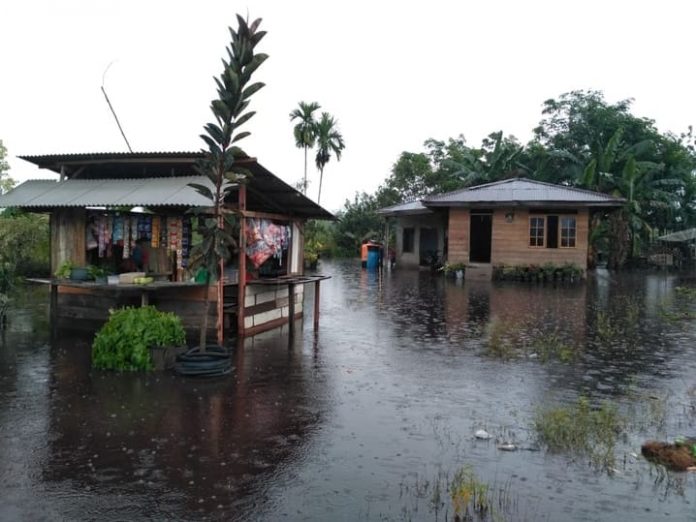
(63, 271)
(219, 164)
(6, 182)
(329, 140)
(357, 221)
(568, 272)
(305, 131)
(581, 430)
(124, 342)
(318, 240)
(469, 495)
(24, 243)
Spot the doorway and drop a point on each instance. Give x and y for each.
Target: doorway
(481, 225)
(427, 246)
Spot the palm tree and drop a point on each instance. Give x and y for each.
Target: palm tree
(305, 131)
(329, 139)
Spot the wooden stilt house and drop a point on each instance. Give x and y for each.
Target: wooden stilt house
(126, 213)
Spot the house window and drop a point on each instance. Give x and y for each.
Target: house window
(552, 231)
(408, 240)
(536, 231)
(568, 232)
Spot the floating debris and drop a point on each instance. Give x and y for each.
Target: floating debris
(483, 435)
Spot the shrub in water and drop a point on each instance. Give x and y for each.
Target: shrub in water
(124, 342)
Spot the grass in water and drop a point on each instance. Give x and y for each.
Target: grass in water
(581, 430)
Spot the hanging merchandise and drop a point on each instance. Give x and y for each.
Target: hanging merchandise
(117, 234)
(155, 232)
(179, 251)
(163, 232)
(101, 227)
(185, 241)
(134, 231)
(264, 240)
(126, 238)
(173, 233)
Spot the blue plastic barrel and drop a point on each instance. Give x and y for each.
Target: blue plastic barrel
(373, 258)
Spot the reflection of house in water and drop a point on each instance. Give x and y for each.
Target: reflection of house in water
(530, 307)
(188, 445)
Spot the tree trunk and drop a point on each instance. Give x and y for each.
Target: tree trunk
(206, 310)
(321, 178)
(619, 239)
(305, 171)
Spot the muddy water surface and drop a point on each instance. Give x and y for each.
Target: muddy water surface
(363, 420)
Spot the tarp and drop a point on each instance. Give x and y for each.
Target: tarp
(679, 237)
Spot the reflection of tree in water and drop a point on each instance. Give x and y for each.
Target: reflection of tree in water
(207, 446)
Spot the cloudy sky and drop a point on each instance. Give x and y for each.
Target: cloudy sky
(393, 73)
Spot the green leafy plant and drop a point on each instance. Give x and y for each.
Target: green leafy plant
(97, 272)
(63, 271)
(124, 342)
(219, 164)
(580, 429)
(453, 268)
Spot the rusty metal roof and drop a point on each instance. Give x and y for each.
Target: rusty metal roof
(524, 192)
(149, 179)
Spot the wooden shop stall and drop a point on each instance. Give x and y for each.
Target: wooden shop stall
(117, 217)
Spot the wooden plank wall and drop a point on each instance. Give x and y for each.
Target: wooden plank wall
(510, 241)
(458, 236)
(68, 237)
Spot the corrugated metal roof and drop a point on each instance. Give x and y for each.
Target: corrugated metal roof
(265, 191)
(521, 191)
(678, 237)
(107, 192)
(412, 207)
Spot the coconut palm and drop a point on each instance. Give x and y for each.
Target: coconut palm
(329, 139)
(305, 131)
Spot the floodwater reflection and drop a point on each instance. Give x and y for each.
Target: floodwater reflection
(358, 420)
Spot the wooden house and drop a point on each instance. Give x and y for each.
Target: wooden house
(106, 206)
(510, 222)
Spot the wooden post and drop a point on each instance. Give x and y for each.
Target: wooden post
(54, 303)
(241, 282)
(220, 321)
(291, 310)
(385, 253)
(316, 305)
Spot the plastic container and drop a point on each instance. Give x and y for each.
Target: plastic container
(373, 258)
(112, 279)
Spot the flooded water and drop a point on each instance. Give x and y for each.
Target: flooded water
(366, 418)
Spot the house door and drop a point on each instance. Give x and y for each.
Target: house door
(480, 237)
(428, 246)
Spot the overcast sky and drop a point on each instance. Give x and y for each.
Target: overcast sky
(393, 73)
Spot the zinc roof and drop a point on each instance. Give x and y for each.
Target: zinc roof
(412, 208)
(522, 191)
(107, 193)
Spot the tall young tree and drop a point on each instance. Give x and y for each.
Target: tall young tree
(230, 112)
(329, 140)
(305, 131)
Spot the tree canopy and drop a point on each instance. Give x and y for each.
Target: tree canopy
(6, 182)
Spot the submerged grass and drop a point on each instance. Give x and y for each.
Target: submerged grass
(461, 497)
(580, 430)
(509, 340)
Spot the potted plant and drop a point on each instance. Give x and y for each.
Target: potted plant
(455, 269)
(98, 273)
(136, 339)
(64, 270)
